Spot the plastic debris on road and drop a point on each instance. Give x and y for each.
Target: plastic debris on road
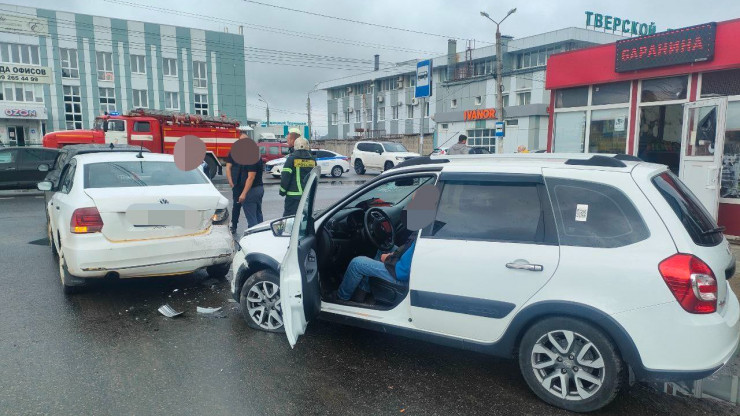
(202, 309)
(167, 311)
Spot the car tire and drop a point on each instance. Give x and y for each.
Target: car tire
(212, 167)
(336, 171)
(359, 167)
(260, 293)
(65, 276)
(387, 166)
(218, 271)
(563, 350)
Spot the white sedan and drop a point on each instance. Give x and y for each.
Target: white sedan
(331, 163)
(135, 215)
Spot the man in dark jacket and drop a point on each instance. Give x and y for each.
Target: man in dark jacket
(295, 174)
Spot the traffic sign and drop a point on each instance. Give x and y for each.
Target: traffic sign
(423, 79)
(500, 129)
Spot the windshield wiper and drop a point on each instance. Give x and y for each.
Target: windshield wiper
(714, 230)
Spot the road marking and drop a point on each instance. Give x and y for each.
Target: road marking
(8, 197)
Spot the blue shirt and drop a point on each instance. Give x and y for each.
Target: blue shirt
(403, 267)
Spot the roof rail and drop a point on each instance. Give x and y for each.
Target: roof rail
(598, 160)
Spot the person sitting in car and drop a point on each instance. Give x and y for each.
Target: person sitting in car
(395, 266)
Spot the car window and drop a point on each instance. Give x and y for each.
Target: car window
(35, 157)
(132, 174)
(285, 150)
(274, 150)
(589, 214)
(8, 156)
(142, 126)
(696, 220)
(323, 153)
(60, 160)
(263, 150)
(389, 194)
(364, 147)
(67, 180)
(491, 211)
(376, 147)
(394, 147)
(116, 125)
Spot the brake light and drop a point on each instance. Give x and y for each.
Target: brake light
(345, 158)
(86, 220)
(691, 281)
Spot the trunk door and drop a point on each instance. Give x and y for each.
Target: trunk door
(151, 212)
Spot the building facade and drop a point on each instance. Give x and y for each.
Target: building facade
(59, 70)
(382, 104)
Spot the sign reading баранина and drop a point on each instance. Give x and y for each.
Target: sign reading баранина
(675, 47)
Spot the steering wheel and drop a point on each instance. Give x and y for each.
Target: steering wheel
(379, 229)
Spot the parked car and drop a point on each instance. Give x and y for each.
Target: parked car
(586, 268)
(24, 167)
(439, 151)
(331, 163)
(122, 214)
(273, 150)
(379, 155)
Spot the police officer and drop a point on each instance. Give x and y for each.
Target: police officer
(295, 174)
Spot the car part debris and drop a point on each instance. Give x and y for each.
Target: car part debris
(201, 309)
(167, 311)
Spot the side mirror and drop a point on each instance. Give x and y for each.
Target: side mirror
(43, 167)
(380, 151)
(282, 227)
(44, 186)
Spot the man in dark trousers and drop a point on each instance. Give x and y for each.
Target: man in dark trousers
(295, 174)
(246, 188)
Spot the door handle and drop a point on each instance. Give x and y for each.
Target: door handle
(525, 266)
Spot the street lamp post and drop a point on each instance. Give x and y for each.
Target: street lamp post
(308, 109)
(267, 106)
(499, 73)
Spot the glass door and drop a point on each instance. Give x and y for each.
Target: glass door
(701, 149)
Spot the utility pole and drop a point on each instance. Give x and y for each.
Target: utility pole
(267, 108)
(308, 109)
(422, 105)
(499, 74)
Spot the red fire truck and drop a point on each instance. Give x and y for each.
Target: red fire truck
(157, 131)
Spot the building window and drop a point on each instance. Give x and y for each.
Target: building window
(105, 66)
(69, 63)
(395, 110)
(478, 100)
(381, 114)
(369, 114)
(426, 109)
(12, 53)
(453, 103)
(201, 104)
(505, 100)
(664, 89)
(72, 107)
(570, 132)
(346, 116)
(535, 58)
(484, 138)
(608, 131)
(171, 101)
(138, 64)
(141, 100)
(571, 97)
(30, 93)
(512, 122)
(107, 100)
(524, 98)
(358, 116)
(169, 67)
(731, 157)
(445, 125)
(410, 111)
(334, 120)
(200, 78)
(614, 93)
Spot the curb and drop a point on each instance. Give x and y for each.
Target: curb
(20, 192)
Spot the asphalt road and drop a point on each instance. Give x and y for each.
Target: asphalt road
(108, 351)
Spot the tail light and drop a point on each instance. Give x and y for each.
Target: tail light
(85, 221)
(220, 216)
(346, 159)
(691, 281)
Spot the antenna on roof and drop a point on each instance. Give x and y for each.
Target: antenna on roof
(141, 149)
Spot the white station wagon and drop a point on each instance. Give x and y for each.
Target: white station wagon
(591, 270)
(135, 214)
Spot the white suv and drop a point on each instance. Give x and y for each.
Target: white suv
(379, 155)
(588, 269)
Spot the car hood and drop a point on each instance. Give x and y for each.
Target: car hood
(274, 162)
(404, 154)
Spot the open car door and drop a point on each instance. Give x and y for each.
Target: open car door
(300, 296)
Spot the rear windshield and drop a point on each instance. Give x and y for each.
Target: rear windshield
(131, 174)
(698, 223)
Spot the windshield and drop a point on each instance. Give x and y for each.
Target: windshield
(132, 174)
(390, 193)
(394, 147)
(98, 124)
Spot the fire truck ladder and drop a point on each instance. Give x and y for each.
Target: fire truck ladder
(182, 119)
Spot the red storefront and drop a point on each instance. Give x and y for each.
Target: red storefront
(671, 98)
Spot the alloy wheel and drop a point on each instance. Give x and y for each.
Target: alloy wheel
(263, 305)
(336, 172)
(568, 365)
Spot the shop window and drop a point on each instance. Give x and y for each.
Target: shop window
(608, 131)
(720, 83)
(660, 134)
(570, 132)
(702, 131)
(731, 155)
(614, 93)
(664, 89)
(482, 138)
(571, 97)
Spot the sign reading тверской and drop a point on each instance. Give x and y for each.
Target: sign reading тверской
(680, 46)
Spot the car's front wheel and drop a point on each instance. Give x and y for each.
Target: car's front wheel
(260, 301)
(571, 364)
(388, 165)
(359, 167)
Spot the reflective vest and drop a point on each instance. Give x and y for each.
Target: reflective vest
(295, 173)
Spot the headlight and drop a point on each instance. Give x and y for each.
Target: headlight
(220, 216)
(400, 158)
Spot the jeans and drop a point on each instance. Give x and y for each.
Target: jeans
(252, 206)
(357, 275)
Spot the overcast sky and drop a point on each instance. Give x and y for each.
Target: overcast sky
(285, 87)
